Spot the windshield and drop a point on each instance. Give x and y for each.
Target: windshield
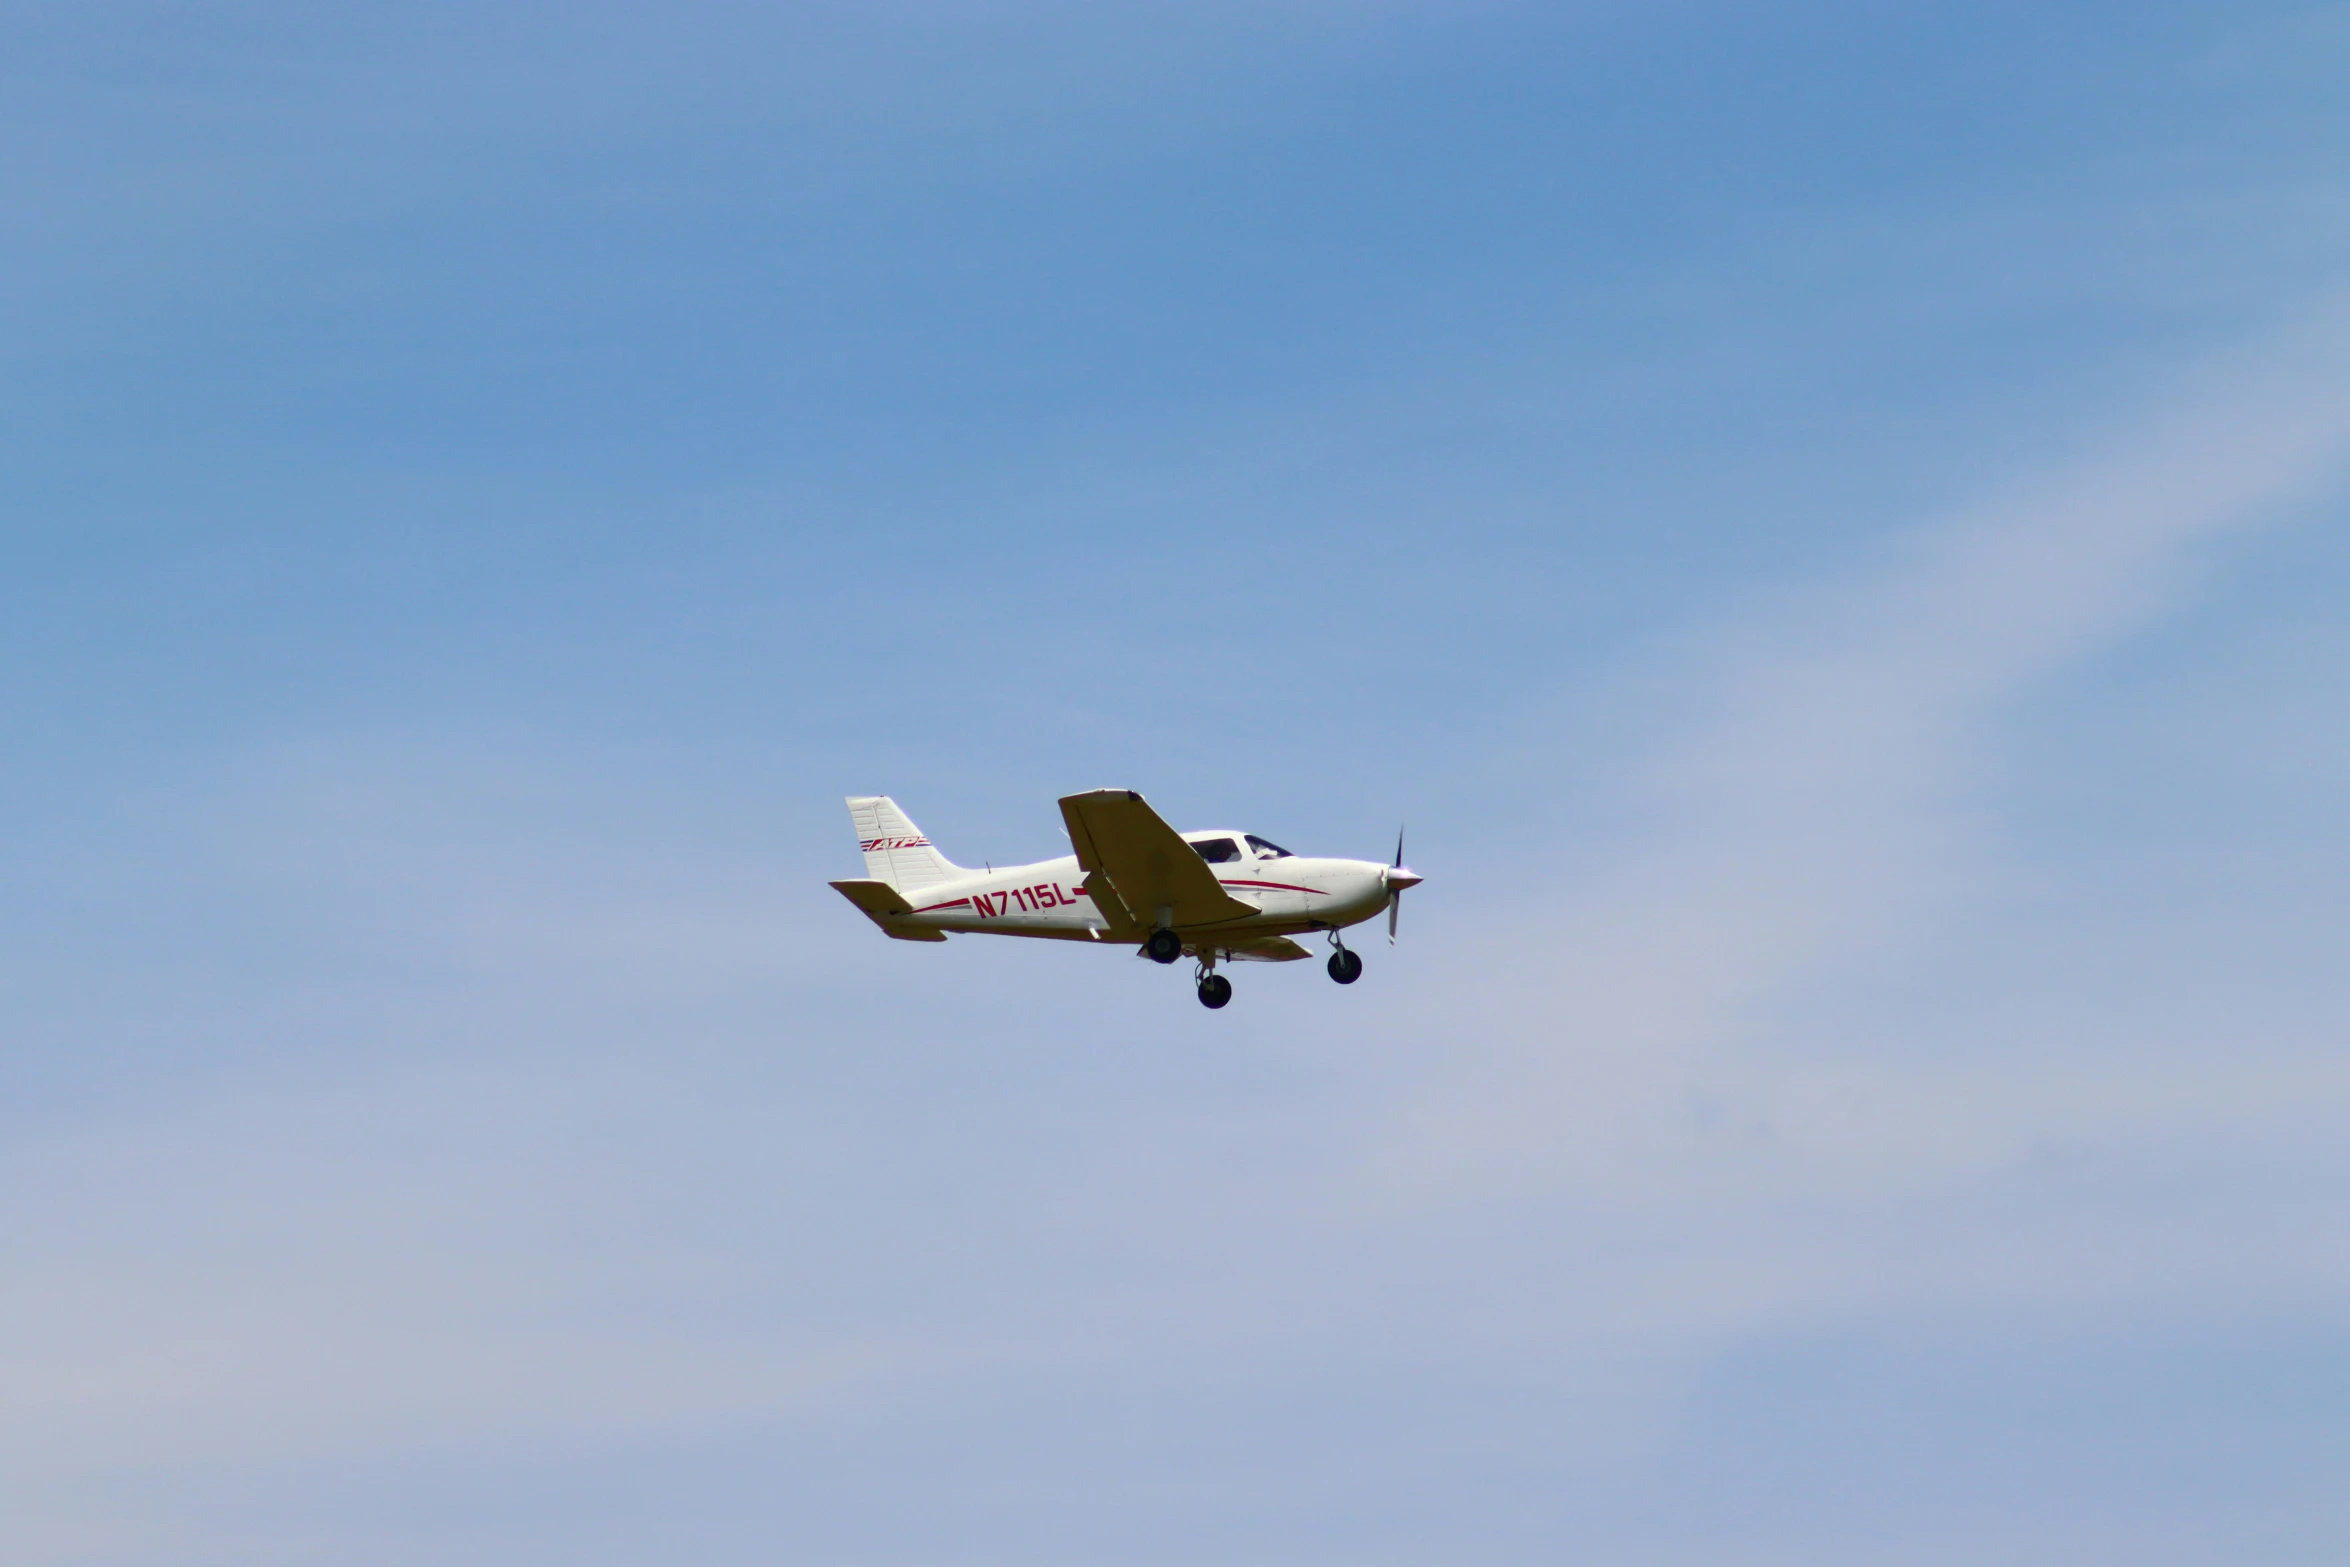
(1218, 851)
(1269, 851)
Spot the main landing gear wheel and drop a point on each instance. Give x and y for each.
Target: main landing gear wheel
(1346, 967)
(1214, 991)
(1163, 947)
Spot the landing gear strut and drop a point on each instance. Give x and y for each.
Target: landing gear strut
(1163, 947)
(1214, 988)
(1345, 967)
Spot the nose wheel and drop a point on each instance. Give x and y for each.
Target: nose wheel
(1345, 966)
(1214, 991)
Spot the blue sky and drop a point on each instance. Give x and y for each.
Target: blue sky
(1826, 520)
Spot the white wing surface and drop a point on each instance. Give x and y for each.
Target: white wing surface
(1265, 949)
(1157, 876)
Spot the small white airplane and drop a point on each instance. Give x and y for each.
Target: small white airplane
(1220, 896)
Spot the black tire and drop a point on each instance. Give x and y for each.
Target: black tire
(1164, 946)
(1214, 991)
(1345, 966)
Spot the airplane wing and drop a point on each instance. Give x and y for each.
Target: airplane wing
(881, 903)
(1158, 877)
(1266, 949)
(1123, 925)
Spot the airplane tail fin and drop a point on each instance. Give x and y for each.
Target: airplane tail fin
(895, 850)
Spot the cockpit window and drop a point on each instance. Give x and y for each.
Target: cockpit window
(1218, 851)
(1269, 851)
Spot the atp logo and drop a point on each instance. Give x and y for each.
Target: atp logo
(872, 845)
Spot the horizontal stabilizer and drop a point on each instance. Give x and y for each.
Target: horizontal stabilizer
(886, 907)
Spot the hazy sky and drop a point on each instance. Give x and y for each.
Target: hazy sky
(1827, 520)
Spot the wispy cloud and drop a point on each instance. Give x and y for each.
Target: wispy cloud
(1668, 1045)
(1642, 1119)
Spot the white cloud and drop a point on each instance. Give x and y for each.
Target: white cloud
(1731, 1082)
(1669, 1043)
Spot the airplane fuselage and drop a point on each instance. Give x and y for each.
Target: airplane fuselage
(1291, 894)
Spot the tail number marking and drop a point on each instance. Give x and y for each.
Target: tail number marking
(1035, 900)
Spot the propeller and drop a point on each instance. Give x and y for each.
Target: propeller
(1397, 879)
